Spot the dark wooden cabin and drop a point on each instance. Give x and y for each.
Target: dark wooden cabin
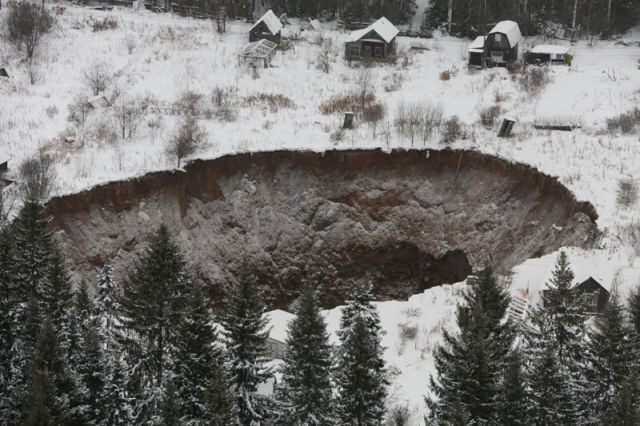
(501, 44)
(475, 51)
(594, 294)
(545, 54)
(375, 42)
(267, 27)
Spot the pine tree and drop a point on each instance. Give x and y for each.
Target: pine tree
(108, 309)
(152, 304)
(92, 373)
(625, 410)
(470, 364)
(220, 404)
(170, 410)
(7, 300)
(116, 407)
(58, 298)
(360, 370)
(246, 334)
(634, 311)
(306, 386)
(610, 354)
(198, 365)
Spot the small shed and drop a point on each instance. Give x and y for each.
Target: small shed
(501, 44)
(99, 101)
(549, 54)
(278, 322)
(4, 72)
(258, 51)
(594, 294)
(377, 41)
(267, 27)
(475, 50)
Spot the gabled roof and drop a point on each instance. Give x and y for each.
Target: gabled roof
(509, 29)
(551, 49)
(279, 324)
(383, 27)
(271, 20)
(477, 45)
(4, 156)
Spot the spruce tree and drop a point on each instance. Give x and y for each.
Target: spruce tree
(108, 309)
(470, 363)
(634, 311)
(513, 401)
(610, 354)
(198, 366)
(360, 369)
(625, 409)
(7, 300)
(117, 408)
(306, 389)
(152, 304)
(170, 409)
(92, 372)
(246, 334)
(58, 298)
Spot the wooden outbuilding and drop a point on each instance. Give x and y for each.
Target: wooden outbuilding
(268, 27)
(544, 54)
(501, 44)
(375, 42)
(475, 51)
(4, 161)
(594, 295)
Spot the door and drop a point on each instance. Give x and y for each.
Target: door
(367, 52)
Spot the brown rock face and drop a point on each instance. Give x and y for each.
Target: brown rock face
(406, 220)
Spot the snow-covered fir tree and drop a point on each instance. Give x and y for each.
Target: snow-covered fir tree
(198, 367)
(611, 359)
(513, 400)
(152, 304)
(360, 372)
(470, 364)
(108, 309)
(246, 334)
(306, 389)
(6, 323)
(559, 326)
(58, 298)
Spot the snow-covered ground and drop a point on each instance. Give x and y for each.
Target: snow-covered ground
(161, 56)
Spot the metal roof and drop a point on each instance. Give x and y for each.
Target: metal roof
(383, 27)
(271, 20)
(510, 29)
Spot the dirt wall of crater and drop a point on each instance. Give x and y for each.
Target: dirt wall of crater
(407, 220)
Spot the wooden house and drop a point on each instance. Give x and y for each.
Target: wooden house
(278, 322)
(267, 27)
(501, 44)
(375, 42)
(544, 54)
(594, 295)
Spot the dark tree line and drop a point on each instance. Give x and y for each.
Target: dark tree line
(592, 17)
(556, 371)
(151, 353)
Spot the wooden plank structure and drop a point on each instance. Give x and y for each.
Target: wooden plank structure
(506, 127)
(501, 44)
(258, 51)
(267, 27)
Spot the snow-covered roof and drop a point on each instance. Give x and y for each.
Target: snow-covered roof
(279, 323)
(271, 20)
(315, 24)
(4, 156)
(551, 49)
(383, 27)
(477, 45)
(534, 274)
(510, 29)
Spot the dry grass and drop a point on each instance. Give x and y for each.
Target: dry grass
(346, 102)
(624, 123)
(627, 193)
(269, 101)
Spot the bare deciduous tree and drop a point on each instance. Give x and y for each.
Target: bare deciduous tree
(187, 138)
(37, 176)
(28, 23)
(97, 77)
(127, 114)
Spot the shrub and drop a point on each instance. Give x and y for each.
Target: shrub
(533, 79)
(28, 23)
(127, 114)
(398, 416)
(323, 58)
(37, 176)
(451, 130)
(488, 115)
(97, 77)
(187, 138)
(190, 101)
(625, 122)
(447, 75)
(417, 120)
(394, 81)
(345, 102)
(630, 233)
(104, 24)
(627, 194)
(408, 332)
(269, 101)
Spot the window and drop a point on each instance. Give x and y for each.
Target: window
(498, 37)
(378, 52)
(355, 51)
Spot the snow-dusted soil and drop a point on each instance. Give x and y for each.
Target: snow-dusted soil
(171, 55)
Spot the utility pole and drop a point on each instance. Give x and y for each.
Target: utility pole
(609, 14)
(450, 16)
(575, 11)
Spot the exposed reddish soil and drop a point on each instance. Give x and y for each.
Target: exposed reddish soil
(406, 220)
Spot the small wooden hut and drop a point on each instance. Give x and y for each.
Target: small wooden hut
(544, 54)
(501, 44)
(268, 27)
(4, 161)
(377, 42)
(594, 295)
(475, 50)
